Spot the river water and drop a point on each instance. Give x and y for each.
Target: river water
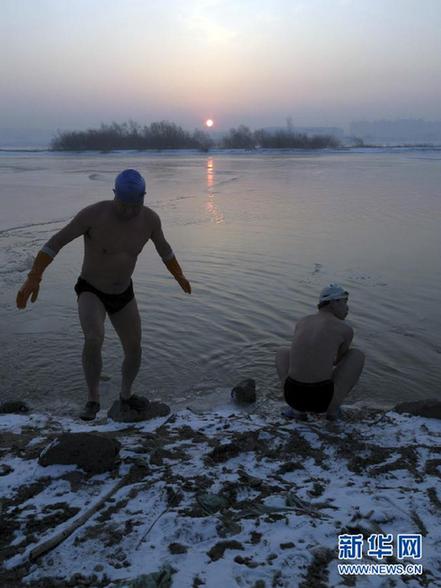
(258, 235)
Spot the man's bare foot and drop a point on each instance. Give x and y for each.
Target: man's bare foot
(335, 415)
(89, 411)
(297, 415)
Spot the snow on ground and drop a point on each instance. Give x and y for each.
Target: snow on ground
(221, 499)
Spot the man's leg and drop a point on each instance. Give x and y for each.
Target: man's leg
(127, 324)
(282, 363)
(92, 315)
(345, 376)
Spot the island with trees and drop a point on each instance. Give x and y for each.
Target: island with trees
(168, 135)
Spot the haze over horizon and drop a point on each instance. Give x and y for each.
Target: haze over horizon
(322, 62)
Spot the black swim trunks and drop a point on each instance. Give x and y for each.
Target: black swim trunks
(305, 397)
(112, 302)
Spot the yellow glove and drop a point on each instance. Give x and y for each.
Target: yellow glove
(32, 284)
(176, 271)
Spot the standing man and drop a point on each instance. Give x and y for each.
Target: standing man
(321, 368)
(115, 232)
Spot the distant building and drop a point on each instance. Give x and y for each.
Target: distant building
(310, 131)
(397, 131)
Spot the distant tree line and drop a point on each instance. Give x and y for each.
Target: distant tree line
(168, 135)
(244, 138)
(130, 135)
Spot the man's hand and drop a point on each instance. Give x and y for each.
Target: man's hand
(184, 283)
(31, 286)
(176, 271)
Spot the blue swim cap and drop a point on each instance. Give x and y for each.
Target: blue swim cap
(130, 187)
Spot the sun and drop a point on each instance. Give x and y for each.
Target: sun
(209, 123)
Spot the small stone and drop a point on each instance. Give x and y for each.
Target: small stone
(211, 503)
(255, 537)
(5, 469)
(287, 545)
(177, 548)
(244, 392)
(14, 407)
(317, 490)
(161, 579)
(429, 408)
(98, 568)
(218, 550)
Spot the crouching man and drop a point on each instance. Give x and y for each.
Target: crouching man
(321, 368)
(115, 232)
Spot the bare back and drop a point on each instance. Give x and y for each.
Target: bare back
(319, 341)
(111, 245)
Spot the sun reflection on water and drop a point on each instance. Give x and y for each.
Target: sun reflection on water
(211, 205)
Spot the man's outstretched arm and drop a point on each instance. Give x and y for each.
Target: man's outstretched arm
(168, 257)
(77, 226)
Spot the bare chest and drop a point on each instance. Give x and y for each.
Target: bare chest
(116, 239)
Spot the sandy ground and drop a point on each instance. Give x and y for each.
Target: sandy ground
(220, 499)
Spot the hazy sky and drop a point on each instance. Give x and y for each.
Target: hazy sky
(76, 63)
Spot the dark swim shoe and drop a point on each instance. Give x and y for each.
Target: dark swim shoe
(134, 403)
(89, 411)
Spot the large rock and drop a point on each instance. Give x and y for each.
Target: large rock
(93, 453)
(128, 415)
(14, 407)
(211, 503)
(244, 392)
(429, 408)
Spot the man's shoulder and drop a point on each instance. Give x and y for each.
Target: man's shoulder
(306, 323)
(151, 216)
(90, 215)
(96, 208)
(332, 323)
(307, 319)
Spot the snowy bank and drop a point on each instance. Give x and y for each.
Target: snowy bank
(220, 499)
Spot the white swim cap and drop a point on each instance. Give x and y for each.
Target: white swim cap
(332, 292)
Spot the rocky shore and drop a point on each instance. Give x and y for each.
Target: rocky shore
(221, 498)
